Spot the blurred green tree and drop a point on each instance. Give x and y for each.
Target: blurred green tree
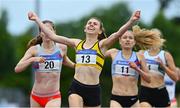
(7, 55)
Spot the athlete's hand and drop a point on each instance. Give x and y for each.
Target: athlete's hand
(135, 16)
(133, 65)
(160, 62)
(39, 59)
(32, 16)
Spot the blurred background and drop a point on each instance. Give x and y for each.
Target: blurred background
(70, 16)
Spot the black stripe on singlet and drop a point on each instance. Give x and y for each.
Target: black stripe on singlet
(99, 64)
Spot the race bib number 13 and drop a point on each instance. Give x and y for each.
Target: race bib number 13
(86, 57)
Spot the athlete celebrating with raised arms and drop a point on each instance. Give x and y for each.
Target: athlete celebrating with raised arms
(85, 88)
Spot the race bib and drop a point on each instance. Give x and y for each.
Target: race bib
(153, 66)
(124, 70)
(86, 57)
(50, 65)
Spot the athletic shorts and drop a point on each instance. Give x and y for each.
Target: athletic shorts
(157, 97)
(125, 101)
(42, 101)
(89, 93)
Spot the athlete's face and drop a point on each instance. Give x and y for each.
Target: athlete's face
(93, 27)
(127, 40)
(42, 34)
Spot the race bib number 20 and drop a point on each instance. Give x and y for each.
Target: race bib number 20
(50, 65)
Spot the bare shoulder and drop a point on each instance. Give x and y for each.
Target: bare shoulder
(61, 46)
(33, 47)
(141, 51)
(140, 55)
(113, 50)
(167, 54)
(76, 41)
(33, 50)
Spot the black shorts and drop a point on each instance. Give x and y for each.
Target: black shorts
(89, 93)
(125, 101)
(157, 97)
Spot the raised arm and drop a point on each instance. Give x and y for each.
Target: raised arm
(27, 59)
(108, 42)
(170, 68)
(52, 35)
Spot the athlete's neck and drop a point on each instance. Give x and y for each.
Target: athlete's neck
(126, 53)
(154, 51)
(90, 40)
(48, 45)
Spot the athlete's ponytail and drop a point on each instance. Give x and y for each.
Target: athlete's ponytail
(36, 40)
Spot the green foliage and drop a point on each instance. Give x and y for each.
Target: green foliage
(6, 47)
(170, 32)
(24, 79)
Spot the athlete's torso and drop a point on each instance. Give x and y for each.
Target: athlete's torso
(47, 74)
(155, 71)
(124, 77)
(89, 63)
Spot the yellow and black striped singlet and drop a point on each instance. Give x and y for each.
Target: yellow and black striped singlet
(89, 57)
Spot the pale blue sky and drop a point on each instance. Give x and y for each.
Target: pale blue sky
(66, 10)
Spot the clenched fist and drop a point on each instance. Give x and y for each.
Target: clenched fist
(32, 16)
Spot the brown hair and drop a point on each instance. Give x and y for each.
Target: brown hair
(103, 34)
(38, 39)
(146, 39)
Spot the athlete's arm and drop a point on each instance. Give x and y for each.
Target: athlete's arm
(115, 36)
(60, 39)
(66, 60)
(27, 59)
(170, 68)
(143, 71)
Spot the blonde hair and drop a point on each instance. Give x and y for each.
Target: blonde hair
(148, 38)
